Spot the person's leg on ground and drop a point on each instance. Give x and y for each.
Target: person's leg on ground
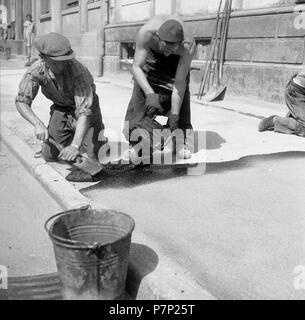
(288, 126)
(295, 101)
(135, 111)
(61, 130)
(266, 124)
(94, 139)
(186, 149)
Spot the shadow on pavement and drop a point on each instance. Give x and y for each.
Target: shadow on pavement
(142, 261)
(213, 140)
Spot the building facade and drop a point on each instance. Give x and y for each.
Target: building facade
(265, 38)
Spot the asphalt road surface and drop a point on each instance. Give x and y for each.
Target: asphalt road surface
(25, 248)
(239, 228)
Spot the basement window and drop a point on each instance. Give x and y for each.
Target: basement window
(202, 48)
(126, 55)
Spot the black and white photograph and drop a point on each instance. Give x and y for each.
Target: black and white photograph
(152, 150)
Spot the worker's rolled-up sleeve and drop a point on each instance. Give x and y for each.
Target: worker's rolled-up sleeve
(83, 96)
(28, 89)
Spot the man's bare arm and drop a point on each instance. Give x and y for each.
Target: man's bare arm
(41, 132)
(180, 78)
(81, 130)
(139, 61)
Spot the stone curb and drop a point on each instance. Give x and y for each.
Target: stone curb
(47, 176)
(167, 281)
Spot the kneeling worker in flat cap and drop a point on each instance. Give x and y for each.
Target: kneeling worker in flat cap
(161, 72)
(76, 120)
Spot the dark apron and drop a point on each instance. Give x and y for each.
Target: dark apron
(161, 70)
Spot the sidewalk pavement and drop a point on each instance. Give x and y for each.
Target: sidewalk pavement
(237, 136)
(243, 105)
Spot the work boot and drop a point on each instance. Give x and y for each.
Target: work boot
(266, 124)
(285, 125)
(300, 130)
(38, 154)
(185, 150)
(130, 155)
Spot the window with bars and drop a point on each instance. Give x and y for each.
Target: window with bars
(127, 54)
(203, 45)
(128, 50)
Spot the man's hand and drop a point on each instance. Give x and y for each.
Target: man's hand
(41, 132)
(69, 153)
(173, 122)
(153, 105)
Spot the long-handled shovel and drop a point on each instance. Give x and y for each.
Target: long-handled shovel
(218, 91)
(215, 83)
(207, 71)
(224, 40)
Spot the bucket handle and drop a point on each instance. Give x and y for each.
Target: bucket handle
(84, 208)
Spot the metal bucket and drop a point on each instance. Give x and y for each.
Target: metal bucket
(91, 250)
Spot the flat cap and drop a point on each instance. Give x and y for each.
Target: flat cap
(55, 46)
(171, 31)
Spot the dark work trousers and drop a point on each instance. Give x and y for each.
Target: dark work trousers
(295, 101)
(136, 109)
(294, 122)
(62, 127)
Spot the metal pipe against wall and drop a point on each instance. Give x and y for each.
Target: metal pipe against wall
(19, 20)
(56, 22)
(83, 13)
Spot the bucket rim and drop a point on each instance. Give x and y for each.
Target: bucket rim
(79, 245)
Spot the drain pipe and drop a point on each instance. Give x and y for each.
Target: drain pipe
(104, 22)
